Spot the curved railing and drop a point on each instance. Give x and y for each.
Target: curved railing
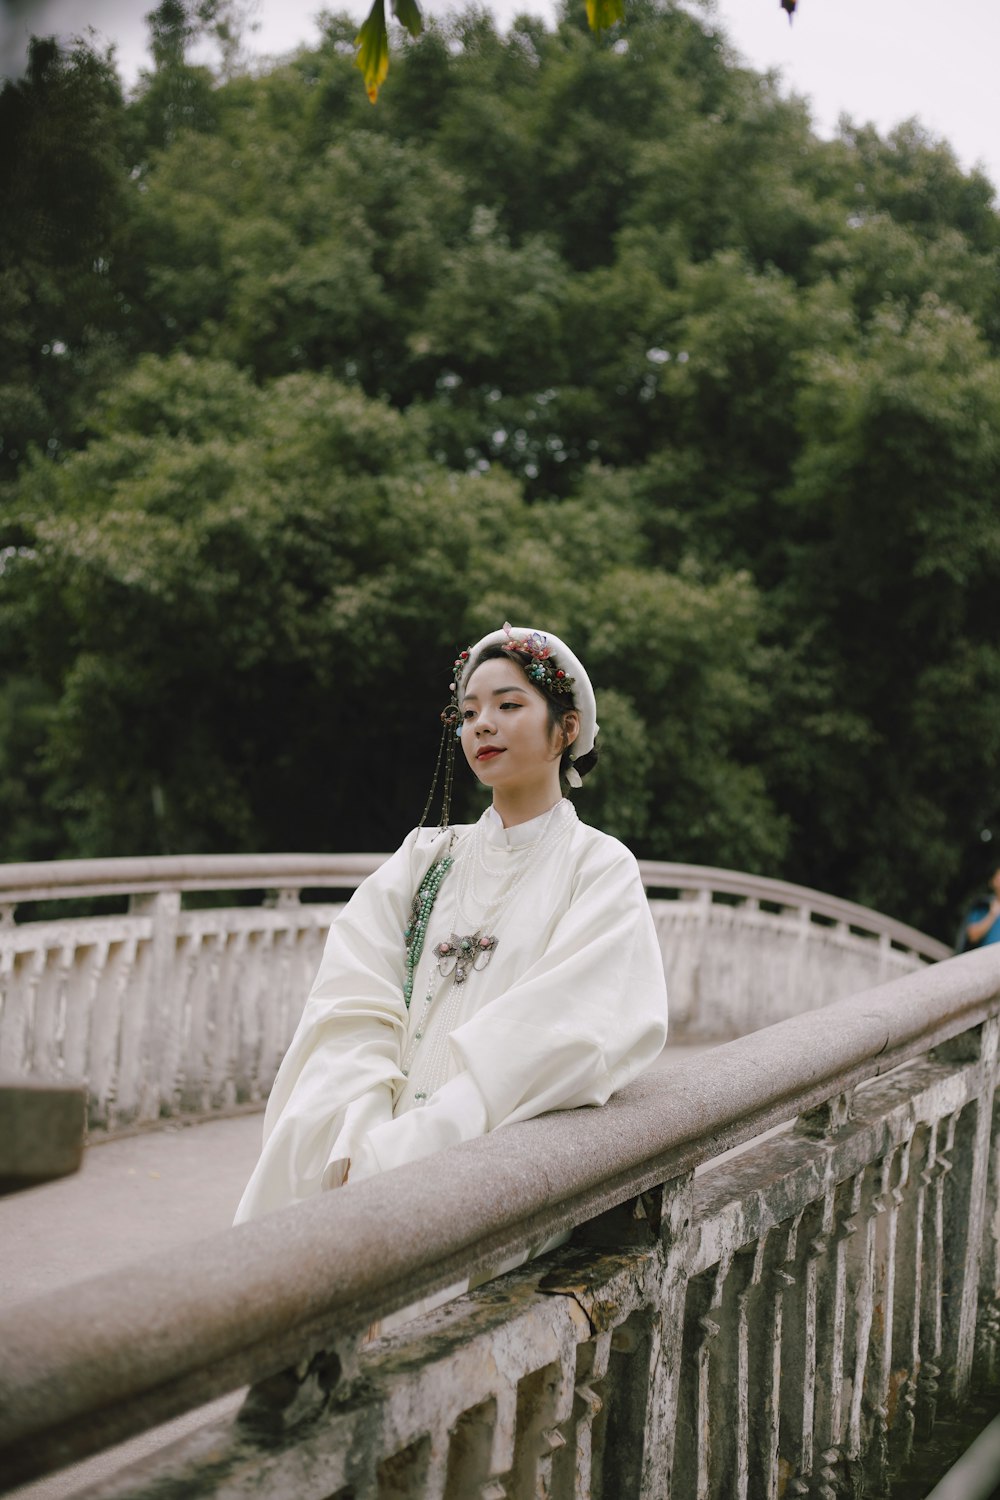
(59, 880)
(165, 1010)
(790, 1319)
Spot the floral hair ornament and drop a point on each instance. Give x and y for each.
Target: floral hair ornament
(536, 660)
(548, 662)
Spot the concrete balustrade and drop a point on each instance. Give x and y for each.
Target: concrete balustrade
(165, 1011)
(794, 1318)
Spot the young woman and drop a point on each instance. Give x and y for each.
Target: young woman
(485, 973)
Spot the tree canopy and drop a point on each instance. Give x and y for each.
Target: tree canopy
(300, 396)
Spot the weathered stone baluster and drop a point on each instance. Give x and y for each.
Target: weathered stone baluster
(247, 1003)
(889, 1174)
(695, 1450)
(480, 1449)
(19, 979)
(633, 1437)
(544, 1402)
(942, 1141)
(231, 970)
(646, 1380)
(655, 1389)
(824, 1234)
(133, 1043)
(161, 1042)
(838, 1223)
(10, 1050)
(863, 1289)
(965, 1202)
(80, 966)
(729, 1377)
(101, 1048)
(573, 1466)
(170, 978)
(772, 1279)
(273, 1006)
(796, 1442)
(105, 1041)
(202, 954)
(987, 1354)
(46, 1058)
(186, 1094)
(906, 1313)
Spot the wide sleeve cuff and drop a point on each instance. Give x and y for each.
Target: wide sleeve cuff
(455, 1113)
(362, 1115)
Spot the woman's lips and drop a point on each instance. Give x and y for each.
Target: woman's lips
(488, 753)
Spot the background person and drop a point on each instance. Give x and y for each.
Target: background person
(982, 924)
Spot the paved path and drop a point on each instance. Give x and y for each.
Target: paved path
(131, 1198)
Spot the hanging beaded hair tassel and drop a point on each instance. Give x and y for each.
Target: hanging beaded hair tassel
(451, 730)
(445, 764)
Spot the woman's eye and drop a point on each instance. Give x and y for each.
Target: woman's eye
(468, 714)
(510, 705)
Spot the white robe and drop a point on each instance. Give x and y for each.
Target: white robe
(571, 1006)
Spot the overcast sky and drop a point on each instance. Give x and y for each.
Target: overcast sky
(878, 60)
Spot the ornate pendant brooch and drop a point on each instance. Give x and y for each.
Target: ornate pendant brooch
(463, 954)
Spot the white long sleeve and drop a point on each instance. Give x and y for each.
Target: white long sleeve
(348, 1042)
(572, 1005)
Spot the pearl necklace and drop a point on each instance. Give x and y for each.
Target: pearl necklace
(460, 956)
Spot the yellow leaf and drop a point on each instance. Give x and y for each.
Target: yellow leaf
(372, 42)
(604, 13)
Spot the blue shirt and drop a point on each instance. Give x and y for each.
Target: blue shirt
(977, 914)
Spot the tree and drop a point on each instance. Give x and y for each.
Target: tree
(228, 597)
(893, 569)
(63, 186)
(588, 330)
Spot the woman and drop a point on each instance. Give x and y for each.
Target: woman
(485, 973)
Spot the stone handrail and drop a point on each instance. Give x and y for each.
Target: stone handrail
(782, 894)
(163, 1010)
(786, 1320)
(65, 879)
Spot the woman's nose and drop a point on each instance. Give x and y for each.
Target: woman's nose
(484, 724)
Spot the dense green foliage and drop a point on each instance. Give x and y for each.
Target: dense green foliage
(299, 396)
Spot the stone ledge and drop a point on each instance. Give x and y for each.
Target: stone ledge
(42, 1130)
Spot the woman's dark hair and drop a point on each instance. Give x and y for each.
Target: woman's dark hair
(556, 704)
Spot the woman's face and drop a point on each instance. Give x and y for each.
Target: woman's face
(506, 734)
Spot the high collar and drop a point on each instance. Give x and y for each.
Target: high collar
(522, 834)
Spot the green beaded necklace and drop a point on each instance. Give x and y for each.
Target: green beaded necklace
(416, 929)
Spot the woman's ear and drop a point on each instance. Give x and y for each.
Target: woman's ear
(570, 728)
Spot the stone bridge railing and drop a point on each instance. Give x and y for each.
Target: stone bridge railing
(163, 1010)
(799, 1317)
